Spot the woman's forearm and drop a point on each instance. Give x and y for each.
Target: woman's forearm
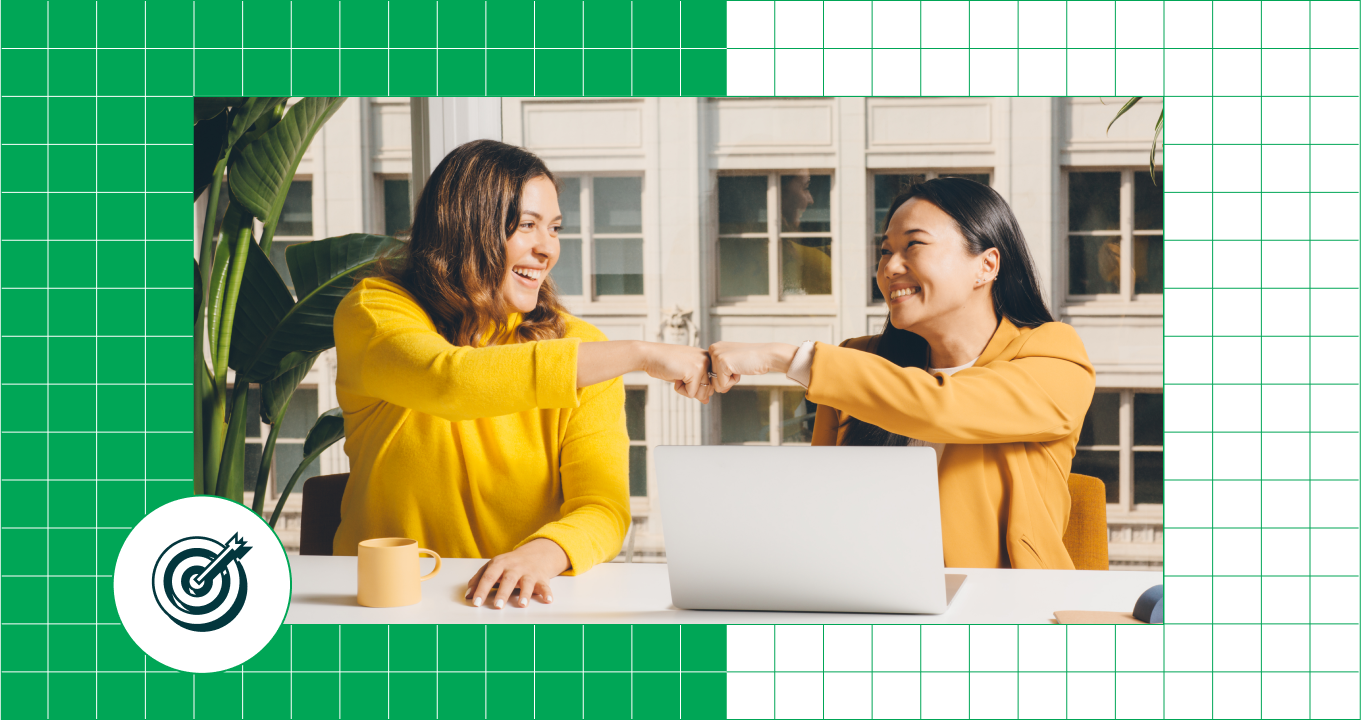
(598, 362)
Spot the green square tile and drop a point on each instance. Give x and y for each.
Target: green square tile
(656, 72)
(558, 72)
(413, 23)
(462, 24)
(21, 697)
(23, 264)
(119, 360)
(275, 654)
(608, 696)
(73, 648)
(656, 24)
(509, 72)
(266, 73)
(363, 647)
(72, 695)
(412, 72)
(171, 72)
(704, 647)
(322, 28)
(25, 360)
(120, 23)
(21, 72)
(217, 23)
(464, 694)
(72, 216)
(77, 26)
(23, 25)
(412, 647)
(23, 216)
(120, 699)
(23, 503)
(170, 695)
(704, 695)
(413, 696)
(72, 599)
(27, 165)
(170, 312)
(24, 312)
(120, 72)
(267, 694)
(316, 647)
(364, 72)
(558, 647)
(71, 360)
(170, 407)
(316, 72)
(73, 264)
(170, 360)
(558, 23)
(218, 695)
(704, 24)
(160, 492)
(120, 312)
(110, 542)
(25, 119)
(122, 168)
(704, 73)
(73, 503)
(510, 647)
(169, 168)
(73, 407)
(507, 14)
(121, 120)
(120, 407)
(121, 456)
(23, 647)
(609, 72)
(656, 647)
(72, 156)
(25, 599)
(106, 610)
(72, 550)
(557, 696)
(364, 24)
(167, 120)
(267, 24)
(316, 695)
(170, 456)
(71, 456)
(120, 503)
(363, 695)
(170, 216)
(73, 312)
(24, 551)
(119, 216)
(607, 25)
(168, 23)
(70, 119)
(169, 264)
(514, 693)
(217, 73)
(462, 73)
(120, 264)
(461, 647)
(656, 696)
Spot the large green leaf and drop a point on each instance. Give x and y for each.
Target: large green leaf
(273, 337)
(207, 108)
(210, 138)
(217, 285)
(262, 171)
(326, 431)
(242, 117)
(275, 394)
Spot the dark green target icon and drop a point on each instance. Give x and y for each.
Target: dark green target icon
(200, 583)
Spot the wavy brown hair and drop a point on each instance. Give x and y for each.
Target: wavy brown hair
(455, 261)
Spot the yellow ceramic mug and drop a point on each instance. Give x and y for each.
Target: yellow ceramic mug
(390, 572)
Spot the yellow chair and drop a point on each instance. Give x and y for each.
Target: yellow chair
(1086, 538)
(321, 513)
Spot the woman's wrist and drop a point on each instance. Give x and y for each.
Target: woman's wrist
(781, 355)
(551, 554)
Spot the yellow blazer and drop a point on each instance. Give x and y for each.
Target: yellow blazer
(1010, 426)
(474, 451)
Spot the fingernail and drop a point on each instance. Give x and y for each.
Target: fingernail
(477, 602)
(499, 603)
(549, 598)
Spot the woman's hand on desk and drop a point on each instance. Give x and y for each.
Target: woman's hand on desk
(527, 568)
(732, 360)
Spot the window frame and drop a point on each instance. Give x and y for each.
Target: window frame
(294, 502)
(590, 296)
(1126, 506)
(380, 201)
(775, 417)
(1126, 297)
(772, 235)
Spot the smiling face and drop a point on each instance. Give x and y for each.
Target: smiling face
(926, 273)
(532, 250)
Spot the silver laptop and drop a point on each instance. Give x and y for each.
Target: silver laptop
(819, 529)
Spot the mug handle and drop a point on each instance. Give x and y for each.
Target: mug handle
(433, 554)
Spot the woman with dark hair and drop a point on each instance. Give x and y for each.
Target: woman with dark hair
(480, 418)
(970, 363)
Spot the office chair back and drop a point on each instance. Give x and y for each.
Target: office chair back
(1086, 538)
(321, 512)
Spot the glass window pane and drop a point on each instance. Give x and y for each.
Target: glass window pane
(566, 273)
(1093, 265)
(1093, 201)
(806, 266)
(981, 178)
(277, 257)
(1148, 201)
(569, 200)
(1103, 465)
(796, 417)
(619, 267)
(875, 295)
(618, 205)
(1148, 418)
(287, 458)
(253, 412)
(254, 451)
(741, 204)
(1102, 424)
(806, 203)
(1148, 264)
(743, 267)
(745, 415)
(638, 471)
(397, 207)
(296, 218)
(887, 187)
(635, 407)
(302, 414)
(1148, 477)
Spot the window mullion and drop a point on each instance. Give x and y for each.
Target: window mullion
(775, 432)
(1127, 235)
(1127, 450)
(773, 233)
(588, 237)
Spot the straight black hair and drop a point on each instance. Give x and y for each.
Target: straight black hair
(986, 221)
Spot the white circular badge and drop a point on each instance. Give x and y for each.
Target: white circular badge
(202, 584)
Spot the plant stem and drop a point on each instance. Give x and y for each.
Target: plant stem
(283, 496)
(231, 474)
(262, 476)
(201, 391)
(217, 427)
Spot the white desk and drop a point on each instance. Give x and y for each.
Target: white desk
(324, 592)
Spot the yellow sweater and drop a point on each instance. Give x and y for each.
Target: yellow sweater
(1010, 426)
(474, 451)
